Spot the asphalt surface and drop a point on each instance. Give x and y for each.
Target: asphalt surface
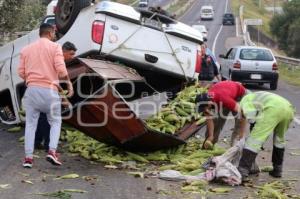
(115, 184)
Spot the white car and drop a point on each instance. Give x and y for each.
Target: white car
(51, 7)
(202, 29)
(143, 3)
(164, 51)
(251, 64)
(207, 13)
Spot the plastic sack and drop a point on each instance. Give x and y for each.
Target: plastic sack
(224, 168)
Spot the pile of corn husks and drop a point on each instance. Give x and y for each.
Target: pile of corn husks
(276, 190)
(185, 158)
(178, 112)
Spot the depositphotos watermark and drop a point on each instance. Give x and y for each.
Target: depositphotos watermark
(108, 103)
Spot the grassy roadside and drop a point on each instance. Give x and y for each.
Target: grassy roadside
(177, 6)
(127, 2)
(289, 74)
(254, 11)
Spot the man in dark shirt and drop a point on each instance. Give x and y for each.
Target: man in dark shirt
(209, 70)
(223, 96)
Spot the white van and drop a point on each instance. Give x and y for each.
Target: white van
(143, 3)
(51, 7)
(207, 13)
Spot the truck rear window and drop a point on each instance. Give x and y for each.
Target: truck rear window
(256, 54)
(206, 11)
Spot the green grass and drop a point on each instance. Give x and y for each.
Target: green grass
(289, 74)
(177, 6)
(127, 2)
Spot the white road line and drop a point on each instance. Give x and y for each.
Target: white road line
(297, 119)
(237, 26)
(220, 30)
(187, 11)
(133, 3)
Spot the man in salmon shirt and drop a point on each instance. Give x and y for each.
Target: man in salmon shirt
(42, 134)
(42, 66)
(223, 96)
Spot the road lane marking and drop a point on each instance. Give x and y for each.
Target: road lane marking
(186, 12)
(297, 119)
(237, 26)
(220, 30)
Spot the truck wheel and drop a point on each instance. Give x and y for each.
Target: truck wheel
(273, 85)
(66, 13)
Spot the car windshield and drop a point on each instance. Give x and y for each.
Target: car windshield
(256, 54)
(228, 15)
(207, 11)
(200, 28)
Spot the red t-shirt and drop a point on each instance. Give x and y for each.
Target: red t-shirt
(226, 93)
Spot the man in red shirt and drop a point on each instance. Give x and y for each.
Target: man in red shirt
(223, 96)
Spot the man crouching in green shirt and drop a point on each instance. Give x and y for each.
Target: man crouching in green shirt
(271, 113)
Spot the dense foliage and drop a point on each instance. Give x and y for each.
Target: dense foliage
(286, 28)
(19, 16)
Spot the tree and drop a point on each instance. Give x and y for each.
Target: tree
(286, 28)
(18, 16)
(8, 15)
(293, 39)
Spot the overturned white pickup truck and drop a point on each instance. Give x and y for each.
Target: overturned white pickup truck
(163, 50)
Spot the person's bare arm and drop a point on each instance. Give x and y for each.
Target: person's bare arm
(242, 129)
(210, 128)
(210, 131)
(219, 77)
(21, 68)
(67, 80)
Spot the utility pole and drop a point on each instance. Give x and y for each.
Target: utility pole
(259, 4)
(273, 7)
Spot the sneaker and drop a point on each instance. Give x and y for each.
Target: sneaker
(52, 157)
(27, 163)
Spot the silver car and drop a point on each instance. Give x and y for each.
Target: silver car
(202, 29)
(251, 64)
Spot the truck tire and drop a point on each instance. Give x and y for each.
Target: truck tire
(66, 13)
(273, 85)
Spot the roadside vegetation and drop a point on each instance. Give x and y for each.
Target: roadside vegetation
(253, 9)
(290, 74)
(284, 27)
(177, 6)
(19, 16)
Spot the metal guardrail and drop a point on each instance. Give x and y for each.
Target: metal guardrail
(247, 40)
(289, 61)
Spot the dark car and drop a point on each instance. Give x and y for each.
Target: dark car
(228, 18)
